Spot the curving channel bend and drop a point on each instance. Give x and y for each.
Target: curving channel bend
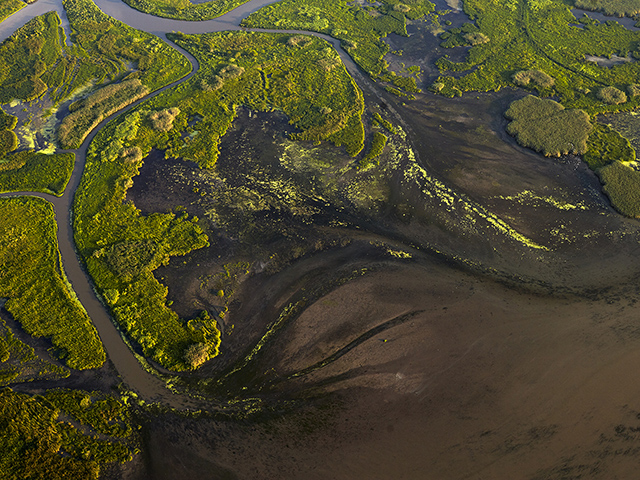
(147, 386)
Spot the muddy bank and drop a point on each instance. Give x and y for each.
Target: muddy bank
(481, 381)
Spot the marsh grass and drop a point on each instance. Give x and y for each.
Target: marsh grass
(87, 113)
(547, 127)
(612, 95)
(37, 443)
(360, 29)
(622, 185)
(39, 298)
(36, 172)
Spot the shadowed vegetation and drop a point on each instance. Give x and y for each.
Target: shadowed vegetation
(37, 443)
(32, 279)
(19, 362)
(359, 28)
(547, 127)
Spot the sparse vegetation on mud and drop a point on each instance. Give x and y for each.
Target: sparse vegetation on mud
(263, 72)
(121, 247)
(37, 443)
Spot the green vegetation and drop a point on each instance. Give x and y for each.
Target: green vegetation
(7, 7)
(622, 185)
(19, 362)
(536, 78)
(184, 9)
(619, 8)
(27, 56)
(36, 443)
(122, 247)
(606, 146)
(263, 72)
(377, 145)
(377, 118)
(36, 172)
(533, 41)
(547, 127)
(32, 279)
(360, 28)
(34, 59)
(87, 113)
(8, 138)
(612, 95)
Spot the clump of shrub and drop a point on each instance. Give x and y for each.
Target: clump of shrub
(401, 7)
(216, 82)
(612, 95)
(230, 72)
(212, 84)
(298, 41)
(328, 64)
(606, 146)
(475, 38)
(622, 185)
(87, 113)
(538, 78)
(633, 90)
(547, 127)
(131, 155)
(162, 120)
(196, 354)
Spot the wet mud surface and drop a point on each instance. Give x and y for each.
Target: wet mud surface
(505, 362)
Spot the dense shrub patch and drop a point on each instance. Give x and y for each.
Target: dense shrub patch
(547, 127)
(32, 278)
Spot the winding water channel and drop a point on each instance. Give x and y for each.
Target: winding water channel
(149, 387)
